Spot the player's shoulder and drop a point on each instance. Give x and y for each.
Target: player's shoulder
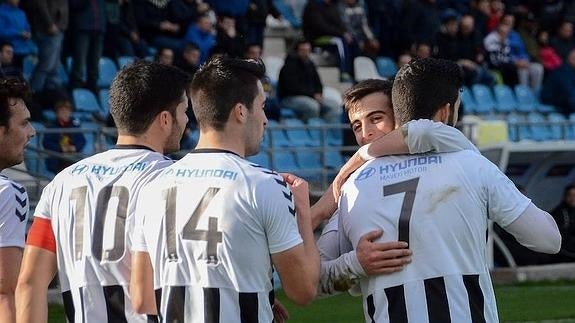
(9, 187)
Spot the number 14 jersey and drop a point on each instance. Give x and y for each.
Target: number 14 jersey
(209, 223)
(89, 207)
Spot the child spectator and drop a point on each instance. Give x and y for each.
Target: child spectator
(64, 143)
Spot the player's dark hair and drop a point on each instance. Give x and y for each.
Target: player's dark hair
(423, 86)
(141, 91)
(222, 83)
(11, 88)
(363, 89)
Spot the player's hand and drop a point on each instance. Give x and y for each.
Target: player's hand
(378, 258)
(350, 166)
(299, 188)
(281, 314)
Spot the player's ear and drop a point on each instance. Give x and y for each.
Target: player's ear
(443, 114)
(239, 112)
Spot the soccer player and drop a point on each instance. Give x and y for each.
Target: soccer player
(84, 220)
(440, 204)
(15, 133)
(369, 108)
(208, 224)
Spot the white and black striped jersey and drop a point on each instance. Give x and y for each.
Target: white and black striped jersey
(440, 204)
(13, 213)
(209, 223)
(90, 206)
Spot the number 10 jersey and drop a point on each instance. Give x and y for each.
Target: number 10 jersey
(89, 207)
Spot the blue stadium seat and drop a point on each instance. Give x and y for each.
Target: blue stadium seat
(539, 132)
(104, 96)
(505, 98)
(262, 159)
(284, 161)
(108, 70)
(299, 136)
(558, 128)
(278, 136)
(333, 95)
(570, 133)
(483, 98)
(467, 100)
(386, 66)
(310, 164)
(316, 133)
(332, 159)
(69, 67)
(518, 130)
(124, 61)
(90, 133)
(527, 102)
(85, 100)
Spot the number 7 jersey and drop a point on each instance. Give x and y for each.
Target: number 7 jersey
(88, 209)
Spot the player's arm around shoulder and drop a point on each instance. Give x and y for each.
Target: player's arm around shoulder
(299, 266)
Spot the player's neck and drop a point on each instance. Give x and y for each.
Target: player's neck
(221, 140)
(140, 141)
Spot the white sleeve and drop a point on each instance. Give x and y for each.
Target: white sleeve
(139, 237)
(504, 201)
(13, 215)
(340, 267)
(536, 230)
(274, 202)
(425, 135)
(43, 208)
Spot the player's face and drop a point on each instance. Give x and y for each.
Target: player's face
(256, 123)
(371, 118)
(178, 126)
(15, 137)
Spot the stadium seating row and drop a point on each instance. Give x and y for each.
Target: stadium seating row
(481, 100)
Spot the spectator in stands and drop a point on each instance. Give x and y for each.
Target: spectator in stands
(228, 40)
(258, 10)
(564, 215)
(421, 20)
(447, 42)
(190, 60)
(384, 18)
(88, 24)
(496, 44)
(527, 27)
(547, 54)
(253, 51)
(471, 53)
(323, 26)
(183, 12)
(563, 41)
(234, 8)
(300, 88)
(422, 50)
(122, 33)
(559, 87)
(496, 14)
(529, 73)
(155, 26)
(202, 35)
(49, 21)
(15, 29)
(7, 67)
(64, 142)
(480, 11)
(355, 20)
(165, 56)
(403, 59)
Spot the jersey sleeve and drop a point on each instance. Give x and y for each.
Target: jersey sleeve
(504, 201)
(139, 238)
(275, 204)
(426, 135)
(41, 234)
(13, 216)
(340, 268)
